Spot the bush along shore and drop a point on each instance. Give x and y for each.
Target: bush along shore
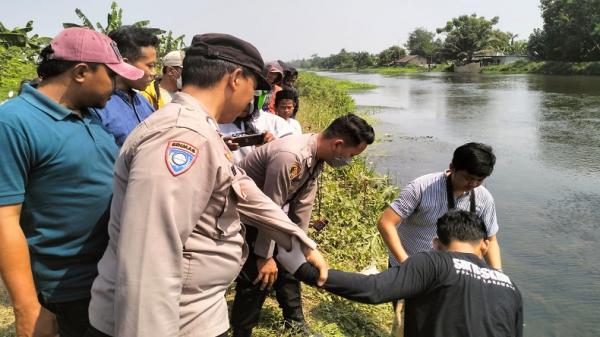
(546, 68)
(351, 200)
(392, 70)
(520, 67)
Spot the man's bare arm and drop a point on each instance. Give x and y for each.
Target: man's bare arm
(15, 268)
(387, 228)
(493, 257)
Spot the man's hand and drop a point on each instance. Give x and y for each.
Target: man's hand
(267, 273)
(35, 321)
(268, 137)
(315, 258)
(230, 144)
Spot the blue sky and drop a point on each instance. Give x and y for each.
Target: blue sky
(284, 29)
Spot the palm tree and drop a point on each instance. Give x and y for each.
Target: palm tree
(114, 20)
(18, 37)
(169, 43)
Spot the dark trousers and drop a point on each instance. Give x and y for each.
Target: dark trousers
(72, 317)
(249, 299)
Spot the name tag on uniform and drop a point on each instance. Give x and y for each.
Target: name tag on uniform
(180, 156)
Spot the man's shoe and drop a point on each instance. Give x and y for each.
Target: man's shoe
(300, 328)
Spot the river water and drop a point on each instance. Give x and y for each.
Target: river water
(545, 131)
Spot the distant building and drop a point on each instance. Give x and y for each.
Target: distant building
(487, 58)
(413, 60)
(507, 59)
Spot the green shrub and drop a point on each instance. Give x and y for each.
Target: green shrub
(14, 68)
(546, 68)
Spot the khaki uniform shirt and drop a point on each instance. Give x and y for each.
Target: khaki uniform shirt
(286, 170)
(176, 241)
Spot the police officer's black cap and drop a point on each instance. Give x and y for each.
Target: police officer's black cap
(232, 49)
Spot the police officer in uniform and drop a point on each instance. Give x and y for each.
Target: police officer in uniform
(176, 240)
(286, 170)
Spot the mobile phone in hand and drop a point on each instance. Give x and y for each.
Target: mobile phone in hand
(249, 140)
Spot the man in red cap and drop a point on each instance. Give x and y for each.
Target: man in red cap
(56, 168)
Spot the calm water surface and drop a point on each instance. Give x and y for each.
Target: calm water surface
(545, 131)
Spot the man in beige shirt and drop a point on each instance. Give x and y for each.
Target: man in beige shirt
(286, 170)
(176, 240)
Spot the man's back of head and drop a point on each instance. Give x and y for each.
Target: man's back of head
(460, 225)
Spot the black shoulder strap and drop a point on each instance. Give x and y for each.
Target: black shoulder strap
(450, 195)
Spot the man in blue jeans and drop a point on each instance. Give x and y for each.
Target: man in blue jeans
(56, 186)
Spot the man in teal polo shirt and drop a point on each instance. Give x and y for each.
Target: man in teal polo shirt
(56, 185)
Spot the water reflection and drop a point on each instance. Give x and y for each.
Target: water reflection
(569, 122)
(545, 132)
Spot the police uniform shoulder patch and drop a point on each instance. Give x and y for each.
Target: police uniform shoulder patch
(180, 156)
(295, 171)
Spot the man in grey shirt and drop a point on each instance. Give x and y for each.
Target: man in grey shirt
(409, 224)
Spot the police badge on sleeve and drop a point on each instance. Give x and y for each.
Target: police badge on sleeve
(180, 156)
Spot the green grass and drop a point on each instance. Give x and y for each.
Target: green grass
(350, 85)
(6, 314)
(14, 68)
(547, 68)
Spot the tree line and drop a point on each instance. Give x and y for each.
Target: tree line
(19, 48)
(571, 33)
(20, 40)
(458, 40)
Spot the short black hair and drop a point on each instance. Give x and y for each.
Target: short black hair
(285, 94)
(352, 129)
(204, 72)
(131, 39)
(49, 67)
(476, 158)
(460, 225)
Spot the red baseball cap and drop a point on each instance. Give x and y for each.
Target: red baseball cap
(85, 45)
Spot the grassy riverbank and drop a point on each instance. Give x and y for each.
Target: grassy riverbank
(352, 199)
(409, 69)
(521, 67)
(546, 68)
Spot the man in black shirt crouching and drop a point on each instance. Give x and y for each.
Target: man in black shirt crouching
(450, 292)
